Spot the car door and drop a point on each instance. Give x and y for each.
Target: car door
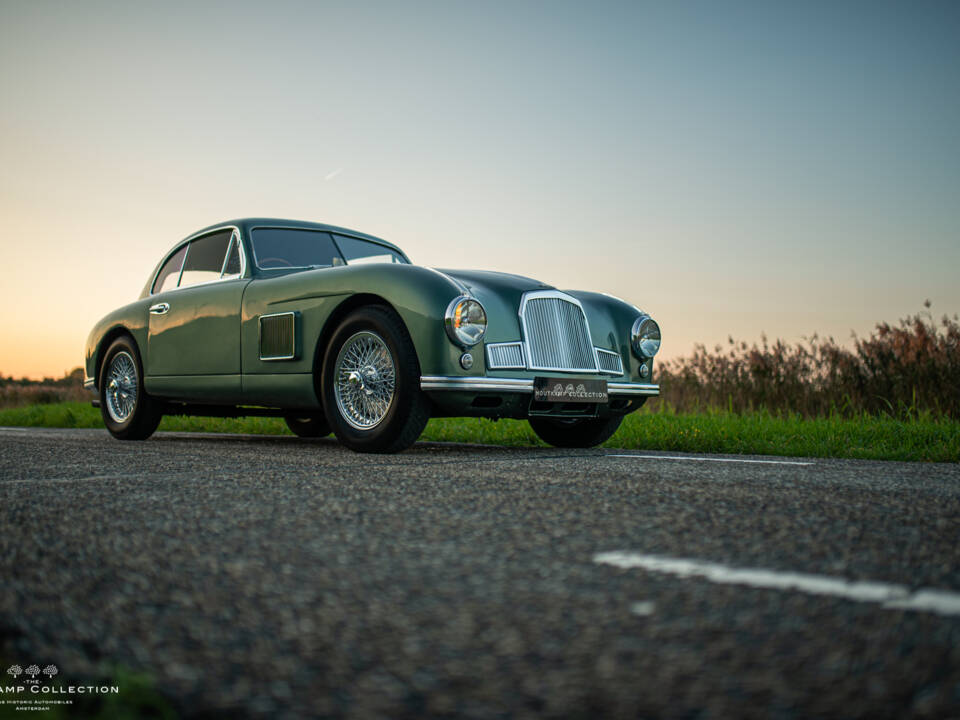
(193, 347)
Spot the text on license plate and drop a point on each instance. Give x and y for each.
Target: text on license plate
(570, 391)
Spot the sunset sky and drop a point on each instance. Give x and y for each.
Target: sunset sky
(731, 167)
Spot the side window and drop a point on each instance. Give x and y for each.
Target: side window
(205, 257)
(357, 251)
(169, 274)
(233, 267)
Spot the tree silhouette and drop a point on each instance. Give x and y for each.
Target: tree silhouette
(15, 670)
(50, 670)
(32, 671)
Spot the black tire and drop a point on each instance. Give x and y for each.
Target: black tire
(128, 415)
(308, 426)
(402, 417)
(575, 432)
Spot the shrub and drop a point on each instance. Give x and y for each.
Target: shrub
(69, 388)
(904, 370)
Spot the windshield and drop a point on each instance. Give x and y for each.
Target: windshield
(280, 248)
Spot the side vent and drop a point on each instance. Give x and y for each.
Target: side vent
(278, 336)
(505, 356)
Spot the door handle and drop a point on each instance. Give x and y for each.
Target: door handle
(159, 309)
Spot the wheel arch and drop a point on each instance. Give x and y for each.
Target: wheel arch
(338, 315)
(108, 338)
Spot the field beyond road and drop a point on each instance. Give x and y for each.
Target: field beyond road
(266, 576)
(866, 437)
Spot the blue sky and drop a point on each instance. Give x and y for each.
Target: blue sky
(732, 167)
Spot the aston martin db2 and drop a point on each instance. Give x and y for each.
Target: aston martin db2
(335, 330)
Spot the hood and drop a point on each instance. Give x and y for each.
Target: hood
(500, 293)
(485, 284)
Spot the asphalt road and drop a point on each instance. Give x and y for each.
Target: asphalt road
(277, 577)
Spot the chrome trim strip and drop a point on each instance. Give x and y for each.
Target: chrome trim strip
(435, 382)
(89, 384)
(632, 389)
(293, 337)
(555, 295)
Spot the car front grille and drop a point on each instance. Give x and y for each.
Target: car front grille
(556, 334)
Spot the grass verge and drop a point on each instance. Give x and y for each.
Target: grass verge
(755, 433)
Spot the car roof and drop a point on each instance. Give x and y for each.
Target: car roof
(246, 224)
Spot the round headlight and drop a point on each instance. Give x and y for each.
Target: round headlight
(645, 337)
(466, 321)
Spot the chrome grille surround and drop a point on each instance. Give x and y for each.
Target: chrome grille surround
(505, 356)
(556, 335)
(609, 362)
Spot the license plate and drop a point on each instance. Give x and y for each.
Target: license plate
(569, 391)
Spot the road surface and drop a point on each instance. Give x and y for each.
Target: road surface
(277, 577)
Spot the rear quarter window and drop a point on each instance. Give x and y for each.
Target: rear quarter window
(169, 274)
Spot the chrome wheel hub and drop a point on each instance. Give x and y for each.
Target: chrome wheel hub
(364, 380)
(121, 387)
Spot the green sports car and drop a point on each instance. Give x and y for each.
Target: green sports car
(335, 330)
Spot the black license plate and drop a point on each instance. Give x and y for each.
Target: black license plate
(569, 391)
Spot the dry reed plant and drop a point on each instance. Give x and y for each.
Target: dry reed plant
(903, 370)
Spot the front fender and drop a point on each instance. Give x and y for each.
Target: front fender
(419, 295)
(611, 321)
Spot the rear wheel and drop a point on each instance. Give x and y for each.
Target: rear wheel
(371, 383)
(575, 432)
(308, 426)
(127, 411)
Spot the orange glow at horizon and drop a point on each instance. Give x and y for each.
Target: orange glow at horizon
(702, 164)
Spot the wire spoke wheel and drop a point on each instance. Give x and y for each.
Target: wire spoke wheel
(365, 379)
(121, 387)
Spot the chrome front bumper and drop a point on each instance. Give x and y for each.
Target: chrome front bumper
(488, 384)
(89, 384)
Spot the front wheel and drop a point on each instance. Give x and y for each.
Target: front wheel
(575, 432)
(127, 411)
(371, 383)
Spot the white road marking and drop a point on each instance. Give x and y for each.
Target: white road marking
(708, 459)
(888, 595)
